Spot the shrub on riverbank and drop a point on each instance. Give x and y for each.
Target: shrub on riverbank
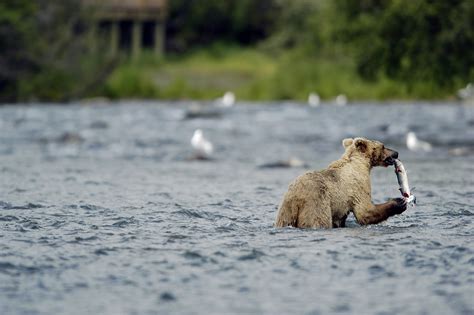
(254, 74)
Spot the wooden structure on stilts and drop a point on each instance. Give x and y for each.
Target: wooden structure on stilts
(129, 25)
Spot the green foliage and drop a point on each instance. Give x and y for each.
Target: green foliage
(207, 74)
(200, 23)
(15, 37)
(410, 40)
(45, 51)
(130, 82)
(297, 26)
(203, 74)
(266, 49)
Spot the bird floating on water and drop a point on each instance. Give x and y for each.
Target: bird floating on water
(415, 144)
(466, 92)
(203, 148)
(341, 100)
(314, 100)
(466, 95)
(228, 100)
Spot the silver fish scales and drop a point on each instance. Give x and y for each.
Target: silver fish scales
(403, 182)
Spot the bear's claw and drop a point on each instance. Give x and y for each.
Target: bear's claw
(400, 205)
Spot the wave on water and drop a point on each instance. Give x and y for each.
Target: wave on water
(8, 206)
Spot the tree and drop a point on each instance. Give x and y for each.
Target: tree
(411, 40)
(45, 52)
(194, 23)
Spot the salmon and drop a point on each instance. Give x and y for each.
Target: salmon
(403, 182)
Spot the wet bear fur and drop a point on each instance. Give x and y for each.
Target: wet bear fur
(324, 199)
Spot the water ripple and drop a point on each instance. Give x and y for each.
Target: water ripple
(28, 206)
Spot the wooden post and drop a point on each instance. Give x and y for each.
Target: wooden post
(93, 35)
(137, 38)
(159, 37)
(114, 37)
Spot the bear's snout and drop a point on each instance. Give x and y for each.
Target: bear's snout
(391, 155)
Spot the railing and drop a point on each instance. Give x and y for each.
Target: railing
(119, 9)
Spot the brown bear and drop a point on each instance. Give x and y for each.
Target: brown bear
(323, 199)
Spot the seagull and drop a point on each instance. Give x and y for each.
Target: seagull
(467, 92)
(202, 147)
(228, 100)
(341, 100)
(414, 144)
(314, 100)
(466, 95)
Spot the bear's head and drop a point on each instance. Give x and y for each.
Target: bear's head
(374, 151)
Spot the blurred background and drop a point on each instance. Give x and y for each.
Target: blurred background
(261, 50)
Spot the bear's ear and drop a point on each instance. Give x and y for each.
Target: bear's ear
(347, 142)
(361, 144)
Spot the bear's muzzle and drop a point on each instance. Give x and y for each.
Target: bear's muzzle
(392, 156)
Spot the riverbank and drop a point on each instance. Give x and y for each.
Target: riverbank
(256, 74)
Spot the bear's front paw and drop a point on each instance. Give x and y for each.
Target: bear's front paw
(399, 205)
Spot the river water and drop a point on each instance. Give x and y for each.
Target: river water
(103, 212)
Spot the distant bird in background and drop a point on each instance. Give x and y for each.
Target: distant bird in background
(341, 100)
(314, 100)
(466, 95)
(228, 100)
(415, 144)
(466, 92)
(203, 148)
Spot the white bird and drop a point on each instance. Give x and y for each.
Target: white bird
(341, 100)
(467, 92)
(228, 100)
(466, 95)
(314, 100)
(203, 148)
(415, 144)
